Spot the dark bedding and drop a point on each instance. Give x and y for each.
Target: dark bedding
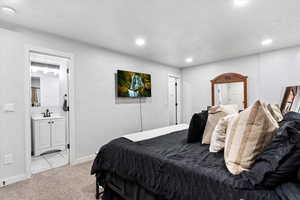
(289, 191)
(170, 168)
(280, 161)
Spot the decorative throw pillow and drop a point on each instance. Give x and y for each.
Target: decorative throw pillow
(275, 112)
(247, 135)
(215, 113)
(197, 126)
(217, 141)
(280, 161)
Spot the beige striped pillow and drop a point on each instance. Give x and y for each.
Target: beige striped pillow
(216, 113)
(275, 112)
(247, 135)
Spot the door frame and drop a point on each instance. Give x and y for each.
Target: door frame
(178, 96)
(72, 151)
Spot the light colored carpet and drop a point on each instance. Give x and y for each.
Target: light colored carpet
(65, 183)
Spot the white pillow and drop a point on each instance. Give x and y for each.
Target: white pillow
(217, 142)
(216, 113)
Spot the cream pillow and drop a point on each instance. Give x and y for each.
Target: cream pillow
(215, 113)
(275, 112)
(247, 135)
(217, 141)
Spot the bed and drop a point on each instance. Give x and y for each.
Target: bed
(161, 165)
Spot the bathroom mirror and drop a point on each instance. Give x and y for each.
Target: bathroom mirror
(35, 91)
(291, 100)
(230, 88)
(45, 85)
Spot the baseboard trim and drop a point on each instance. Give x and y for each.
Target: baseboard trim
(84, 159)
(22, 177)
(13, 179)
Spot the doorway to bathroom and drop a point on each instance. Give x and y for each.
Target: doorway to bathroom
(49, 111)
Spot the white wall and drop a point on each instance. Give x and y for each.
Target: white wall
(268, 75)
(100, 116)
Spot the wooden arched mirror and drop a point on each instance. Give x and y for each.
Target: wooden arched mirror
(230, 88)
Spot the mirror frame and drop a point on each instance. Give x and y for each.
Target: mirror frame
(286, 96)
(230, 78)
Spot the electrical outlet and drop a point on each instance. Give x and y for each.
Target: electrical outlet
(8, 159)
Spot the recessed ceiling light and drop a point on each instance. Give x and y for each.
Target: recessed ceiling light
(189, 60)
(140, 42)
(241, 3)
(267, 42)
(8, 10)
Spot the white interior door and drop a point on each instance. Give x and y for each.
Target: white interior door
(174, 100)
(64, 88)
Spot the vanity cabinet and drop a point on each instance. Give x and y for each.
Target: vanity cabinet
(42, 135)
(48, 134)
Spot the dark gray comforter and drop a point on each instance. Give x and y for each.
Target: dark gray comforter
(170, 168)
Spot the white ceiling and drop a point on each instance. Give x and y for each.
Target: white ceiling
(207, 30)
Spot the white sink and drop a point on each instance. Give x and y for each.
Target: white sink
(41, 117)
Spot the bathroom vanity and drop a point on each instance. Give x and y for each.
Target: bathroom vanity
(48, 134)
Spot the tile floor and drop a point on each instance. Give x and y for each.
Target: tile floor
(49, 161)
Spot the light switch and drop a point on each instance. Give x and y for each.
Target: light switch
(9, 107)
(8, 159)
